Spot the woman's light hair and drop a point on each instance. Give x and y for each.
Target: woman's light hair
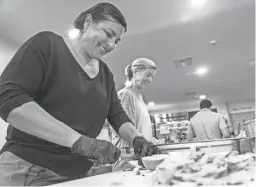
(137, 65)
(143, 62)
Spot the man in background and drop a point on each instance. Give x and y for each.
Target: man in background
(207, 125)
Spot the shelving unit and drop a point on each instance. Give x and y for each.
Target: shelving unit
(171, 127)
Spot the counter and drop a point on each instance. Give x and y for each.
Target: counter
(123, 178)
(112, 179)
(129, 178)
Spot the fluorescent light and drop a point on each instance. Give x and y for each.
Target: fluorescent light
(198, 3)
(151, 104)
(201, 71)
(73, 33)
(202, 97)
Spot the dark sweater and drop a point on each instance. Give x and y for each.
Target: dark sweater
(44, 70)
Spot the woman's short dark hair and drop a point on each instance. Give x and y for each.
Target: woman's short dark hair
(205, 104)
(99, 12)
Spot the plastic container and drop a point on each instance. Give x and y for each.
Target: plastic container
(249, 128)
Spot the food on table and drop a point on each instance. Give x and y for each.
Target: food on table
(136, 171)
(199, 168)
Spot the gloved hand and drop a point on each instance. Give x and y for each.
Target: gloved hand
(142, 148)
(101, 151)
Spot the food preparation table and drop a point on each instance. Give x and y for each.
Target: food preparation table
(124, 178)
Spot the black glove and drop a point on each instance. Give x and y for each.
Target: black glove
(142, 148)
(101, 151)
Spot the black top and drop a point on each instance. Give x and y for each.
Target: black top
(44, 70)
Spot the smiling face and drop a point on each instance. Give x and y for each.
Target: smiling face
(101, 38)
(143, 77)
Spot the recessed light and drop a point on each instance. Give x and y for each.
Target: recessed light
(202, 97)
(198, 3)
(213, 42)
(73, 33)
(151, 104)
(201, 71)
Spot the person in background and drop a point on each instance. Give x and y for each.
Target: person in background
(207, 125)
(238, 128)
(230, 127)
(56, 94)
(139, 75)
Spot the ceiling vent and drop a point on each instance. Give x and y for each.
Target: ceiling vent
(183, 63)
(191, 94)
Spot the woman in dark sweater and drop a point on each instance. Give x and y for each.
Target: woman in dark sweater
(56, 94)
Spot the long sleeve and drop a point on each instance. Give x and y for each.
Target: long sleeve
(128, 103)
(116, 116)
(21, 83)
(21, 79)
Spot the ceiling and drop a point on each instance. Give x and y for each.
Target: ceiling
(164, 31)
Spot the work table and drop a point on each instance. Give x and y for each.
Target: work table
(112, 179)
(124, 178)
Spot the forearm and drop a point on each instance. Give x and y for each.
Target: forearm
(34, 120)
(225, 133)
(128, 132)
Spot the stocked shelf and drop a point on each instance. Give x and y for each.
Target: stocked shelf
(172, 132)
(172, 127)
(175, 128)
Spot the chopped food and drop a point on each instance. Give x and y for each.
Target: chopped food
(199, 168)
(136, 171)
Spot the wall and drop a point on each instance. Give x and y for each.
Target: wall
(6, 53)
(241, 106)
(3, 128)
(5, 57)
(240, 111)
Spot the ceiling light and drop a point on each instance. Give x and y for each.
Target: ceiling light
(252, 63)
(213, 42)
(201, 71)
(73, 33)
(151, 104)
(198, 3)
(202, 97)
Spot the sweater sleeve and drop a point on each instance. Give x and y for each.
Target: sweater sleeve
(129, 104)
(116, 116)
(22, 77)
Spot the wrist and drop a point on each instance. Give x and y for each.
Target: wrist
(73, 139)
(138, 142)
(82, 146)
(138, 139)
